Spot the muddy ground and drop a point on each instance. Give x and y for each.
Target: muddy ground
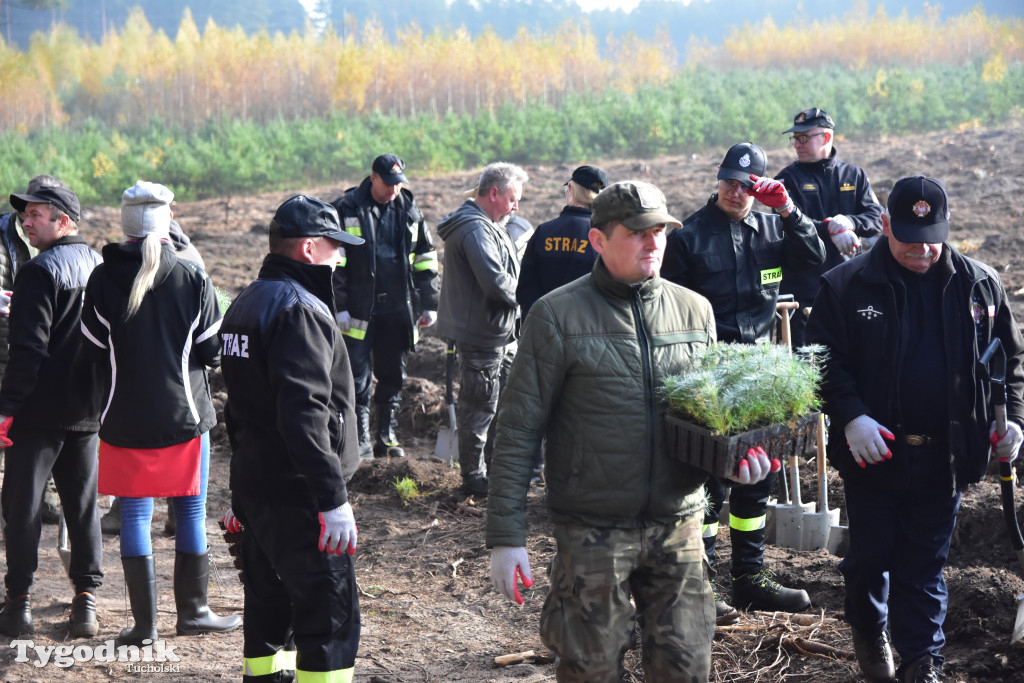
(429, 612)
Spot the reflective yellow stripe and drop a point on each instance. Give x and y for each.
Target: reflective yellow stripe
(710, 530)
(354, 230)
(339, 676)
(341, 262)
(282, 660)
(740, 524)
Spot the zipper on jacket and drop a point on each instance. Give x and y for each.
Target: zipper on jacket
(648, 369)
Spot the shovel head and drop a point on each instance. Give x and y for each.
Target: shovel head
(838, 540)
(1018, 626)
(447, 446)
(64, 544)
(789, 524)
(817, 527)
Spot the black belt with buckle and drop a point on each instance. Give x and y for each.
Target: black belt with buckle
(382, 297)
(923, 440)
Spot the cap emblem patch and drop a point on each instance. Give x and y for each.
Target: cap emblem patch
(396, 169)
(744, 160)
(922, 209)
(800, 118)
(650, 197)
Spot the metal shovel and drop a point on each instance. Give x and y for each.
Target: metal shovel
(447, 446)
(818, 525)
(64, 544)
(789, 519)
(992, 366)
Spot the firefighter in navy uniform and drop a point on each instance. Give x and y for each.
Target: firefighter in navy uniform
(385, 290)
(559, 250)
(290, 417)
(838, 199)
(734, 256)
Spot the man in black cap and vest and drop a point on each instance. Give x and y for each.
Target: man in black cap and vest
(560, 251)
(838, 199)
(290, 417)
(912, 425)
(385, 289)
(734, 256)
(49, 409)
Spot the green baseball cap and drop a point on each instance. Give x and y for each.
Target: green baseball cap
(635, 204)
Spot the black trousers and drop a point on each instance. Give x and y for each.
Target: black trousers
(72, 457)
(748, 506)
(383, 354)
(294, 593)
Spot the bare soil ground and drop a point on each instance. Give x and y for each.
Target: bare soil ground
(429, 613)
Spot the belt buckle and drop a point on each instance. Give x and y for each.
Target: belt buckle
(382, 297)
(915, 439)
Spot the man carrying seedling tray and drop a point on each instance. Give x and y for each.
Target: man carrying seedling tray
(735, 257)
(626, 514)
(912, 419)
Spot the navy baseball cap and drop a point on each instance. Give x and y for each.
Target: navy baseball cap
(60, 196)
(919, 210)
(810, 119)
(740, 161)
(389, 167)
(304, 216)
(590, 177)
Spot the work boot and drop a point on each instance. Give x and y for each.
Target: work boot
(874, 655)
(140, 575)
(386, 443)
(724, 612)
(475, 485)
(761, 592)
(191, 581)
(110, 523)
(921, 671)
(83, 616)
(363, 430)
(16, 617)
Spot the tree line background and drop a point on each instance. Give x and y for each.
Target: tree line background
(219, 110)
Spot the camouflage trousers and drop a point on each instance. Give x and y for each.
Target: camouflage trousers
(588, 619)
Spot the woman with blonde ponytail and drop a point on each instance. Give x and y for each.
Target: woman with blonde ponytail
(153, 320)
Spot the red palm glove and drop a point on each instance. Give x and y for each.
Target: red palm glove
(770, 192)
(5, 426)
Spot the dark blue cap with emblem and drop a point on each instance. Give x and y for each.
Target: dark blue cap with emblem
(919, 210)
(740, 161)
(304, 216)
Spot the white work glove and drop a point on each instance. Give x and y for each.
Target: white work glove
(338, 530)
(506, 563)
(230, 522)
(840, 229)
(1007, 447)
(344, 321)
(754, 467)
(427, 318)
(864, 437)
(5, 302)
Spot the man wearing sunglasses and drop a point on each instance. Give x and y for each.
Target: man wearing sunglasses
(838, 199)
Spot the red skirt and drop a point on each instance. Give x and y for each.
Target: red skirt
(150, 472)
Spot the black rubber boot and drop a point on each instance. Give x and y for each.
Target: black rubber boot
(16, 617)
(140, 576)
(110, 523)
(386, 443)
(191, 580)
(83, 616)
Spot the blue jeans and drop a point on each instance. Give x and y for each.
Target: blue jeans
(899, 542)
(189, 513)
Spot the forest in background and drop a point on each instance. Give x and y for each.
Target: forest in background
(219, 111)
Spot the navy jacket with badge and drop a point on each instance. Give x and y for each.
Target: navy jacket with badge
(857, 315)
(738, 266)
(290, 412)
(355, 279)
(159, 392)
(823, 189)
(48, 384)
(558, 252)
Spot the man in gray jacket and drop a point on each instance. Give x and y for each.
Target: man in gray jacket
(478, 308)
(627, 515)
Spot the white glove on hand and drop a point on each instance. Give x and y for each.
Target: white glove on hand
(864, 437)
(1007, 447)
(230, 522)
(5, 302)
(427, 318)
(840, 228)
(754, 467)
(338, 531)
(344, 321)
(506, 562)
